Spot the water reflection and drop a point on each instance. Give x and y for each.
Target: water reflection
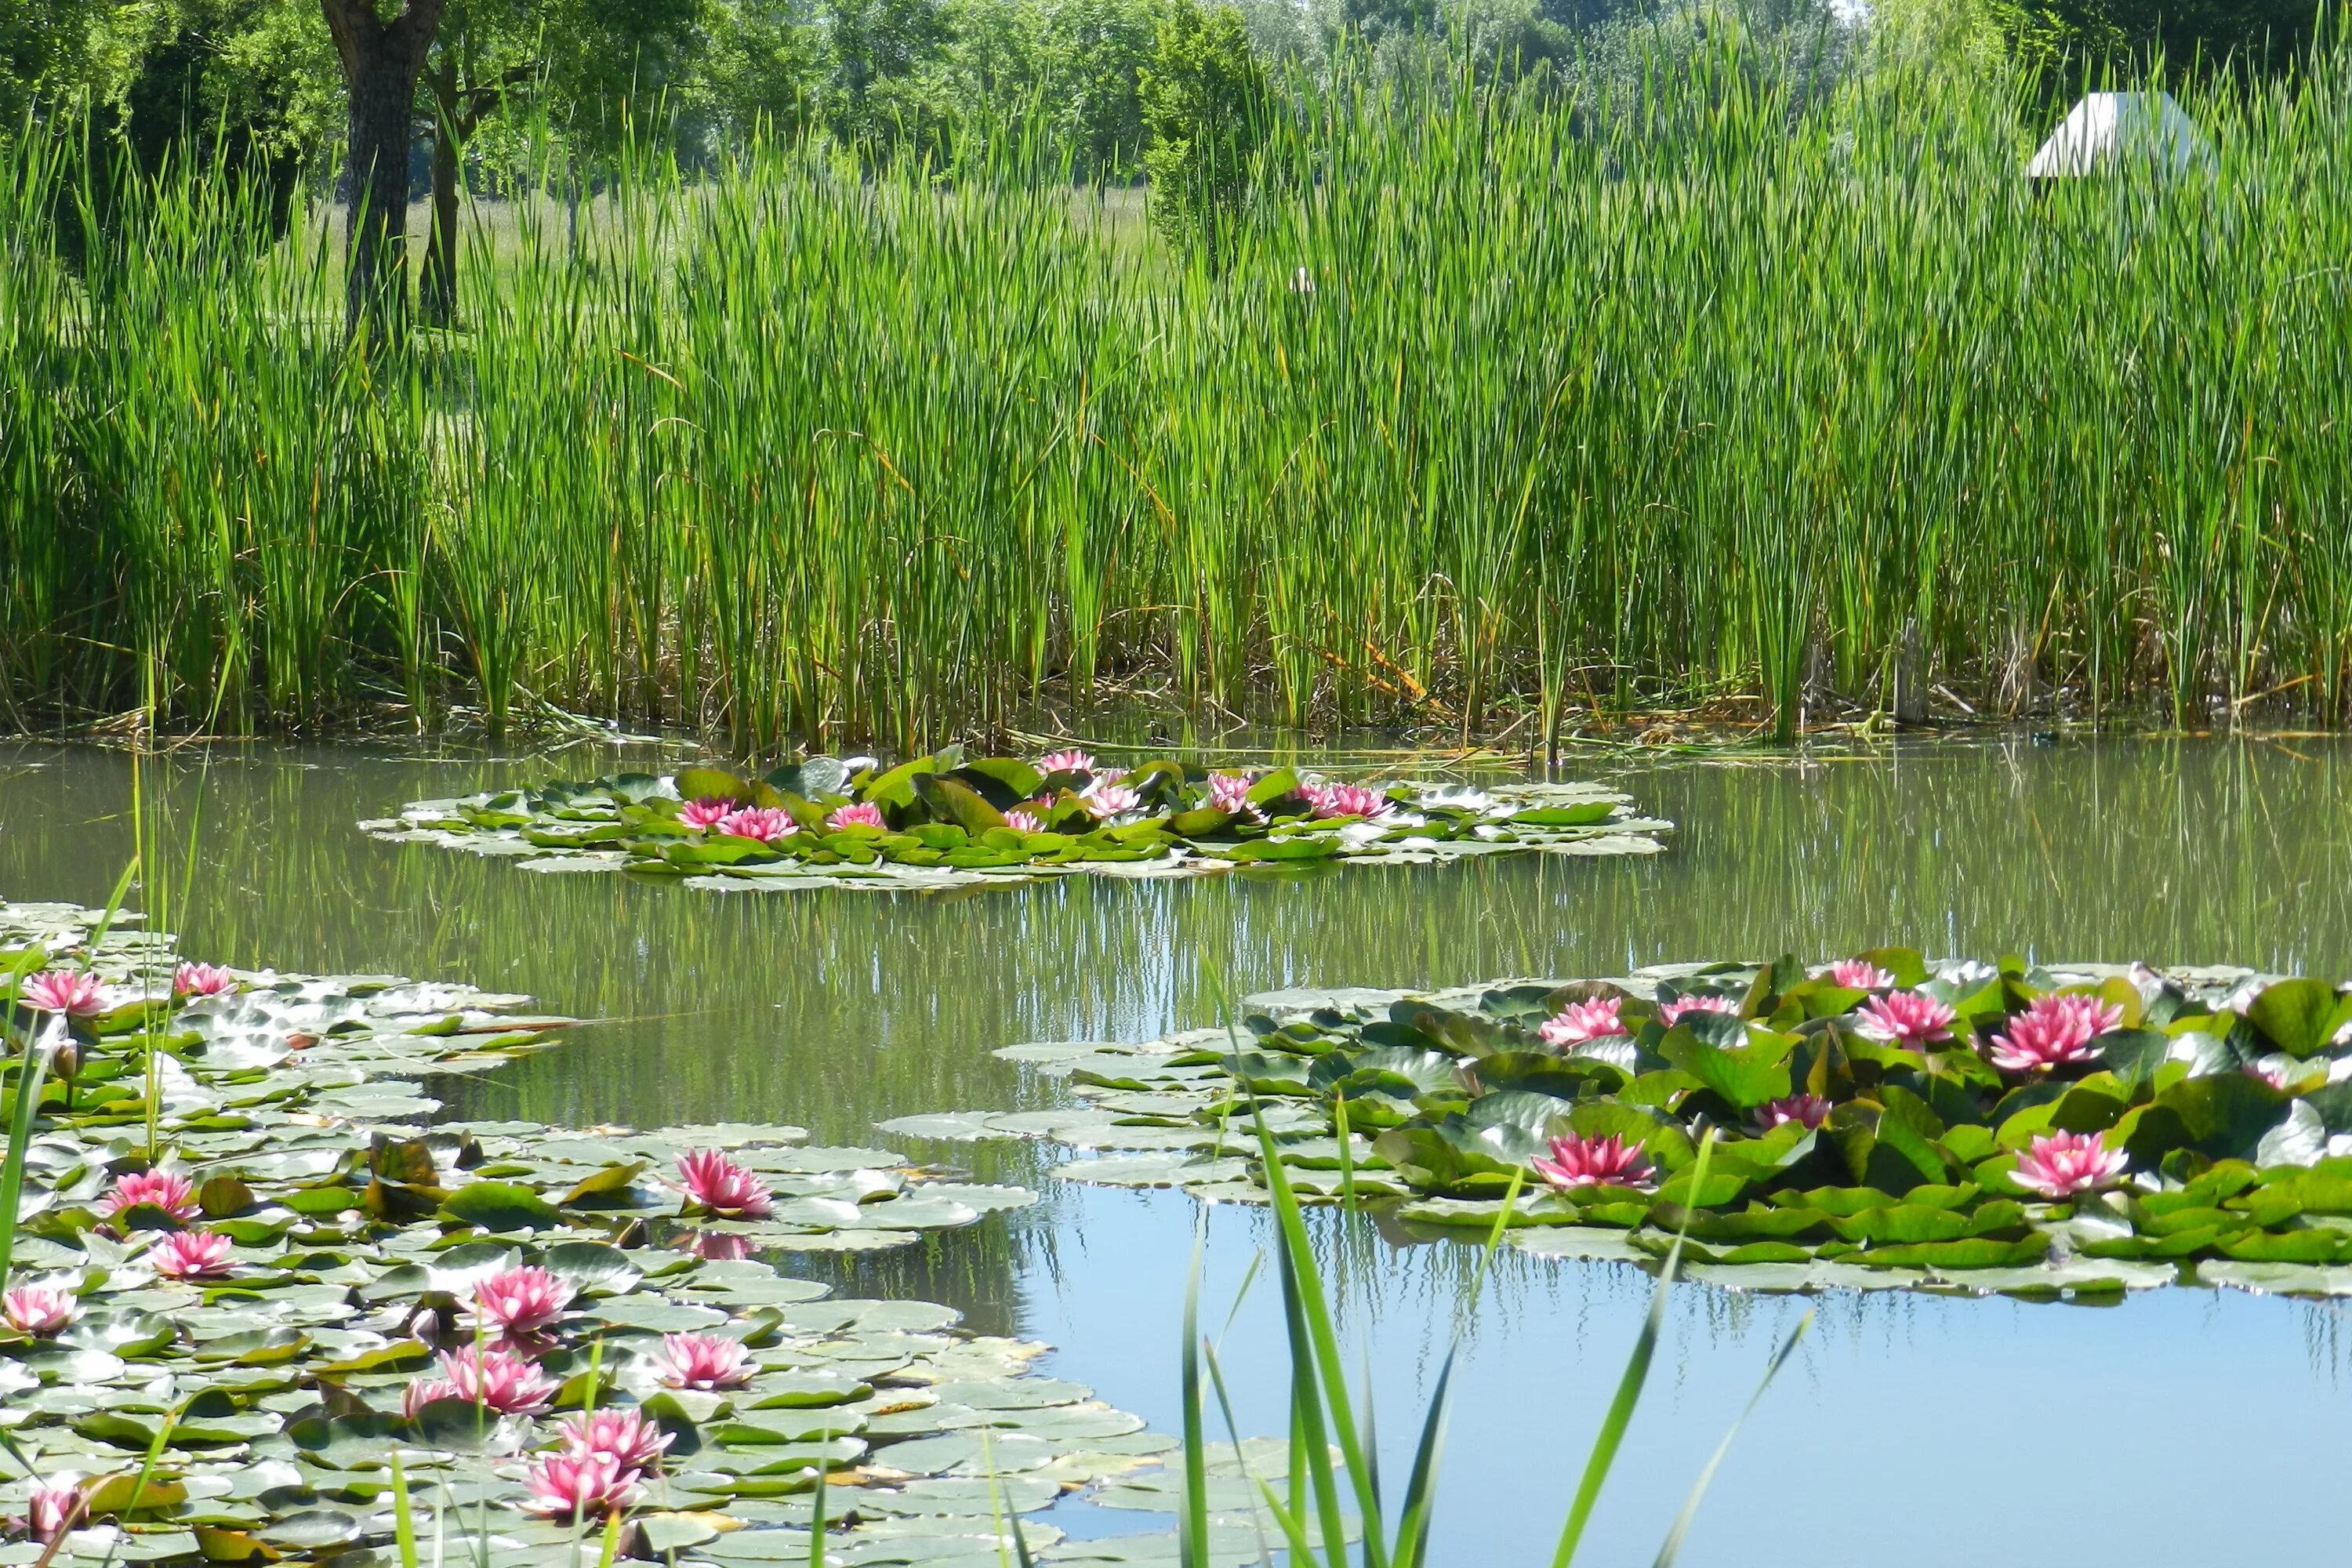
(835, 1010)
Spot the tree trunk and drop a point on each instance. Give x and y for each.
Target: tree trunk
(436, 292)
(381, 60)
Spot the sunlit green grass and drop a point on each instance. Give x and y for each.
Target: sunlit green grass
(1577, 407)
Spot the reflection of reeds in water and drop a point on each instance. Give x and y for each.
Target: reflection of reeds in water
(839, 1010)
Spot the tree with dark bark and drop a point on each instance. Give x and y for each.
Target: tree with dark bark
(382, 61)
(583, 61)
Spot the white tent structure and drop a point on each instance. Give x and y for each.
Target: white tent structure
(2108, 129)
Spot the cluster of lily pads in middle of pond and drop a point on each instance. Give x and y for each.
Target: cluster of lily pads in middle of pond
(211, 1350)
(949, 820)
(1880, 1121)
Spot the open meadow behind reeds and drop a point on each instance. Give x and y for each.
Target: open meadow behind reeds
(1501, 403)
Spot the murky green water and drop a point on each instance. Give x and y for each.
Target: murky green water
(1911, 1430)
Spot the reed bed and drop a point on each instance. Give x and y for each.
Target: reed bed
(1505, 404)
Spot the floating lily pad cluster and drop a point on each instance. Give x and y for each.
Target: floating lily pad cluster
(212, 1349)
(950, 820)
(1883, 1122)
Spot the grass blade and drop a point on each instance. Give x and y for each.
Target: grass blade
(1629, 1387)
(1671, 1547)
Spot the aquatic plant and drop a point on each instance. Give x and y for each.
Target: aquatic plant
(1860, 974)
(1805, 1109)
(2052, 1030)
(2061, 1164)
(949, 819)
(704, 1361)
(1580, 1023)
(1681, 1007)
(192, 1255)
(1908, 1018)
(718, 1185)
(192, 980)
(520, 1303)
(1580, 1161)
(54, 1509)
(72, 993)
(168, 1192)
(505, 1381)
(579, 1486)
(357, 1244)
(760, 824)
(1863, 1139)
(629, 1437)
(38, 1309)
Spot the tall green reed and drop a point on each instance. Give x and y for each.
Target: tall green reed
(1501, 399)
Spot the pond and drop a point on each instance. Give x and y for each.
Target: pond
(2082, 1430)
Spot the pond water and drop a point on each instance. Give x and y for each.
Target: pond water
(1923, 1431)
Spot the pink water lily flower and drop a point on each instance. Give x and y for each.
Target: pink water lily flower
(707, 812)
(2061, 1164)
(1022, 821)
(1070, 762)
(718, 1186)
(1581, 1021)
(760, 824)
(1110, 799)
(1578, 1161)
(1682, 1008)
(579, 1486)
(1909, 1019)
(521, 1301)
(75, 993)
(2053, 1029)
(38, 1310)
(192, 1255)
(424, 1391)
(166, 1190)
(630, 1438)
(52, 1510)
(1811, 1110)
(1349, 800)
(1230, 792)
(865, 814)
(501, 1380)
(1859, 974)
(192, 980)
(702, 1361)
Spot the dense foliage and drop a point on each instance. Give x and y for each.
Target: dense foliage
(1726, 390)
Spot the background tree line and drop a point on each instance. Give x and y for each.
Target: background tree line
(441, 96)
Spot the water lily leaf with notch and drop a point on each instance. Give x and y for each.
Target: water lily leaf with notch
(611, 1183)
(1890, 1144)
(2220, 1117)
(500, 1207)
(949, 801)
(2299, 1016)
(1452, 1159)
(712, 783)
(1467, 1034)
(896, 787)
(1745, 1077)
(1540, 1072)
(591, 1268)
(1382, 1068)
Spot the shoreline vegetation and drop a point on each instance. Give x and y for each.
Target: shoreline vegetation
(1491, 412)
